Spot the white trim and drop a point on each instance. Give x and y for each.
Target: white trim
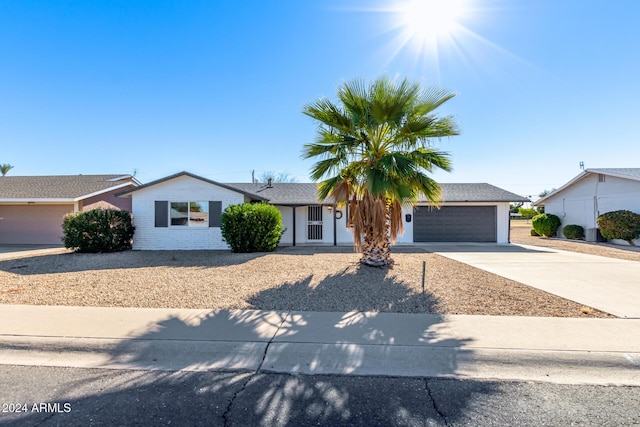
(31, 201)
(66, 199)
(581, 176)
(97, 193)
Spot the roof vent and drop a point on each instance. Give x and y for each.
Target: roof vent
(270, 183)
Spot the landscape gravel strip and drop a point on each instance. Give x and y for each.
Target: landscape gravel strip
(521, 234)
(293, 278)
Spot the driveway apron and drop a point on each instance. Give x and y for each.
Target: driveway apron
(608, 284)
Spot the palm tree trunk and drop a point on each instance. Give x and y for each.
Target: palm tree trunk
(377, 253)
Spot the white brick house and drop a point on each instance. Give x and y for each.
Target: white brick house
(182, 211)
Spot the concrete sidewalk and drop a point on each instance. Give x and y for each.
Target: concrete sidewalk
(572, 351)
(608, 284)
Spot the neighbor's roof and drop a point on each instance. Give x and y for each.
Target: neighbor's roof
(60, 187)
(630, 173)
(627, 173)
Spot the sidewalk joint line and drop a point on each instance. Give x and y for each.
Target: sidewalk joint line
(225, 415)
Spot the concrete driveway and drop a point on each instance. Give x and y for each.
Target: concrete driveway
(608, 284)
(22, 251)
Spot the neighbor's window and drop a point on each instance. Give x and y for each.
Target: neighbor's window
(189, 214)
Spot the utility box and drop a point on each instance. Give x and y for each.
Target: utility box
(594, 235)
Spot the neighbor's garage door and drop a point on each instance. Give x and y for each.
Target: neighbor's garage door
(32, 224)
(454, 224)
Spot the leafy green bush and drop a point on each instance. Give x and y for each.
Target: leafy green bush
(546, 224)
(622, 224)
(98, 230)
(534, 232)
(572, 231)
(252, 227)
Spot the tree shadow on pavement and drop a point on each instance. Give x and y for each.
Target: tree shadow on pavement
(276, 367)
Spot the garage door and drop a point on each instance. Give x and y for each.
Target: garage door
(32, 224)
(454, 224)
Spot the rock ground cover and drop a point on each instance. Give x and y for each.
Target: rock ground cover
(300, 278)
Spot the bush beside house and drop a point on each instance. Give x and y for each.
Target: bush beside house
(573, 232)
(546, 224)
(252, 227)
(97, 230)
(622, 224)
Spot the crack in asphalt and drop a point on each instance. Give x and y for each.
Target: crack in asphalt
(434, 404)
(227, 411)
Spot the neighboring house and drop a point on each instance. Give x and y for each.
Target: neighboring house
(32, 207)
(592, 193)
(183, 211)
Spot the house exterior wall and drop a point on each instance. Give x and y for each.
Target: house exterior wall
(184, 188)
(585, 200)
(38, 223)
(110, 198)
(343, 236)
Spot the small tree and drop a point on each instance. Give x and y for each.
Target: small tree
(546, 224)
(5, 168)
(624, 225)
(252, 227)
(527, 213)
(97, 230)
(276, 177)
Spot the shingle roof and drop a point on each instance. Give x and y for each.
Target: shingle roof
(478, 192)
(305, 193)
(67, 187)
(283, 193)
(633, 173)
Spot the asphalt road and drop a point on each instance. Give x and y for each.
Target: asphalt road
(50, 396)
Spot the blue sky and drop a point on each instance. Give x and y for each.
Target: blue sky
(217, 87)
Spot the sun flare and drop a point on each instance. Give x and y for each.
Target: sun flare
(428, 20)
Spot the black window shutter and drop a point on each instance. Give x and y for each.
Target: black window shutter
(215, 214)
(162, 213)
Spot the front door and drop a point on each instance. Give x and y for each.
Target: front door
(314, 223)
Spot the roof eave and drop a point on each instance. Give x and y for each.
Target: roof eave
(191, 175)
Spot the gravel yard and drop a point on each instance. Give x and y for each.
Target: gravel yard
(521, 234)
(300, 278)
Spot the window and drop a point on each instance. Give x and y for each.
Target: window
(189, 214)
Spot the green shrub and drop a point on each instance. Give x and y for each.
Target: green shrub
(546, 224)
(534, 232)
(572, 231)
(98, 230)
(623, 225)
(252, 227)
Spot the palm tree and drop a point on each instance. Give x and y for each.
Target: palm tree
(5, 168)
(375, 150)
